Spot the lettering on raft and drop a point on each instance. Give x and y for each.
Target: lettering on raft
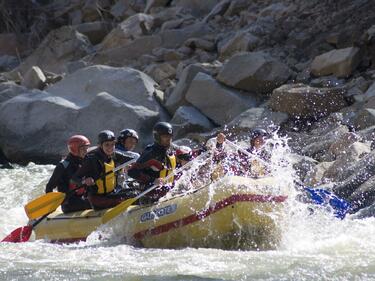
(157, 213)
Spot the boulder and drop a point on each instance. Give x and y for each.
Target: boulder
(160, 72)
(254, 72)
(365, 118)
(95, 31)
(350, 154)
(59, 47)
(155, 3)
(188, 119)
(34, 78)
(177, 98)
(212, 99)
(257, 117)
(197, 8)
(240, 42)
(340, 63)
(300, 100)
(315, 175)
(121, 55)
(128, 30)
(364, 195)
(354, 175)
(127, 84)
(34, 126)
(11, 45)
(9, 90)
(7, 63)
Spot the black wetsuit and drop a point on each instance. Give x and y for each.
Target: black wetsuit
(61, 177)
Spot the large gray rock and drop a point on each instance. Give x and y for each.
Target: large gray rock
(8, 62)
(35, 126)
(254, 72)
(9, 90)
(59, 47)
(155, 3)
(340, 63)
(365, 118)
(301, 100)
(121, 55)
(95, 31)
(177, 98)
(34, 78)
(240, 42)
(196, 7)
(188, 119)
(219, 103)
(128, 30)
(124, 83)
(257, 117)
(354, 175)
(364, 195)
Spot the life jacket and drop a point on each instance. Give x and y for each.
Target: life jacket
(171, 165)
(107, 182)
(257, 168)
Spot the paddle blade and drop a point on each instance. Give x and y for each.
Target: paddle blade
(21, 234)
(114, 212)
(43, 205)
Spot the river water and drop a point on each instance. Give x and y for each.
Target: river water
(314, 247)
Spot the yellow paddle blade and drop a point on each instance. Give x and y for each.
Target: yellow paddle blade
(115, 211)
(43, 205)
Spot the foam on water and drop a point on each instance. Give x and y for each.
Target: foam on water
(315, 245)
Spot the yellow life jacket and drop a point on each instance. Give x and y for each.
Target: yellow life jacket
(257, 169)
(166, 171)
(107, 182)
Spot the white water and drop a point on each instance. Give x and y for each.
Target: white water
(314, 247)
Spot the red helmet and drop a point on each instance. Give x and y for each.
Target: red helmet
(184, 153)
(76, 142)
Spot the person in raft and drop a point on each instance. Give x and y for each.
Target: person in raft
(156, 162)
(126, 143)
(63, 172)
(97, 172)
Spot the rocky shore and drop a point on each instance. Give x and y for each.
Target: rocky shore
(304, 67)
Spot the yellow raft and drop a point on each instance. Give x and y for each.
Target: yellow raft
(233, 213)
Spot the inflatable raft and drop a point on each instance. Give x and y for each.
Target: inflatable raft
(233, 213)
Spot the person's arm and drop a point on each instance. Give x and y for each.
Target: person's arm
(55, 179)
(84, 175)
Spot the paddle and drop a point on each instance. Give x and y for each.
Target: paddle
(49, 202)
(22, 234)
(120, 208)
(42, 207)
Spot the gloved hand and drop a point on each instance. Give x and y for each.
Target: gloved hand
(154, 165)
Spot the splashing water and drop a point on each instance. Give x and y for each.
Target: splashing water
(314, 246)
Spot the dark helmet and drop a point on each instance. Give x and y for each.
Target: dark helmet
(127, 133)
(76, 142)
(184, 153)
(161, 129)
(257, 132)
(106, 135)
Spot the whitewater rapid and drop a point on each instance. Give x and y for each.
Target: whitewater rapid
(314, 246)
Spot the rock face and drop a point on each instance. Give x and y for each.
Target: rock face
(304, 101)
(108, 98)
(254, 72)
